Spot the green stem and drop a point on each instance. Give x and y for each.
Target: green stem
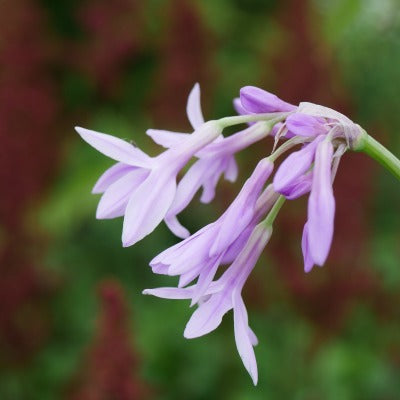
(269, 220)
(368, 145)
(243, 119)
(286, 146)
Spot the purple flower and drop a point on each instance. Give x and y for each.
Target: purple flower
(295, 178)
(321, 205)
(216, 298)
(188, 257)
(118, 182)
(204, 173)
(143, 188)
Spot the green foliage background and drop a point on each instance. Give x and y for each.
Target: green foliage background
(297, 357)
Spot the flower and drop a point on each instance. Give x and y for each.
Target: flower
(145, 191)
(216, 298)
(312, 168)
(214, 160)
(236, 239)
(192, 256)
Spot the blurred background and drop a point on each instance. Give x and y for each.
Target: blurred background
(73, 322)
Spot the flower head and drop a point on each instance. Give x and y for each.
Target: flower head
(216, 298)
(146, 190)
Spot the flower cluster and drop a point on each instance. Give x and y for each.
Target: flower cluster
(144, 190)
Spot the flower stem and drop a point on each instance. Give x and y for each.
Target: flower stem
(269, 220)
(286, 146)
(243, 119)
(368, 145)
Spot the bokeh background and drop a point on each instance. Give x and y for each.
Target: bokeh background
(73, 322)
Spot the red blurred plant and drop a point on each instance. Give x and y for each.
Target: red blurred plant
(113, 37)
(28, 153)
(109, 370)
(185, 59)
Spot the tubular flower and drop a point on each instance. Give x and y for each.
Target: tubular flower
(146, 190)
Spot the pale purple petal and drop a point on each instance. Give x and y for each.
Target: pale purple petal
(115, 148)
(190, 275)
(242, 266)
(110, 176)
(321, 205)
(308, 262)
(211, 179)
(193, 108)
(305, 125)
(242, 337)
(209, 188)
(206, 276)
(160, 269)
(237, 105)
(170, 293)
(256, 100)
(176, 227)
(253, 338)
(148, 206)
(241, 211)
(232, 170)
(189, 185)
(295, 165)
(238, 141)
(195, 253)
(167, 139)
(237, 246)
(208, 316)
(298, 187)
(115, 199)
(173, 253)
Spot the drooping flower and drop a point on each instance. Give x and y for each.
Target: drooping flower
(204, 173)
(321, 205)
(144, 190)
(191, 257)
(216, 298)
(214, 160)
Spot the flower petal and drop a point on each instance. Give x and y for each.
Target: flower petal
(208, 316)
(308, 262)
(242, 338)
(321, 205)
(237, 105)
(256, 100)
(176, 228)
(295, 165)
(253, 338)
(305, 125)
(193, 108)
(298, 187)
(115, 148)
(148, 206)
(232, 170)
(205, 278)
(167, 139)
(170, 293)
(188, 186)
(115, 199)
(241, 211)
(110, 176)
